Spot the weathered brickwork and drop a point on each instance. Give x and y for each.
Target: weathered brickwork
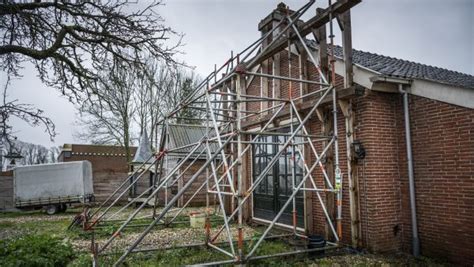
(109, 167)
(443, 152)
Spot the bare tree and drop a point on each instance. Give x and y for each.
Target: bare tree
(159, 90)
(69, 42)
(26, 112)
(150, 96)
(107, 116)
(183, 84)
(30, 153)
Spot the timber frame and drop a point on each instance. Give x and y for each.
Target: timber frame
(222, 97)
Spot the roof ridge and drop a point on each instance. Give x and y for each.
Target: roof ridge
(406, 60)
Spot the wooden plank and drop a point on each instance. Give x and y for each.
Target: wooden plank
(315, 22)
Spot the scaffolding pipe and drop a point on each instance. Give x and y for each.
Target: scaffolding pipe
(163, 212)
(282, 209)
(118, 189)
(278, 154)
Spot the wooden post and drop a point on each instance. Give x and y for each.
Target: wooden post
(321, 38)
(345, 24)
(264, 68)
(276, 70)
(352, 176)
(303, 66)
(344, 21)
(325, 118)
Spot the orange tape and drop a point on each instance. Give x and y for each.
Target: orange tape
(241, 238)
(339, 230)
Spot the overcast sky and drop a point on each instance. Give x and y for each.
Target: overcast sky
(433, 32)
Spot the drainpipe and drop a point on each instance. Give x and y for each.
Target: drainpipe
(411, 179)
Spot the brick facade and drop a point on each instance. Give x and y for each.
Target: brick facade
(109, 166)
(443, 152)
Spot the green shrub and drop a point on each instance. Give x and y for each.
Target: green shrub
(35, 250)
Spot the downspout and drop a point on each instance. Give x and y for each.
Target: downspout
(411, 178)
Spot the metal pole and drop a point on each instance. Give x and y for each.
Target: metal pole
(278, 154)
(118, 189)
(337, 172)
(130, 218)
(163, 212)
(121, 194)
(411, 176)
(226, 166)
(282, 209)
(221, 203)
(240, 178)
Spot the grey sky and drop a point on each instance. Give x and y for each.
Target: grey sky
(433, 32)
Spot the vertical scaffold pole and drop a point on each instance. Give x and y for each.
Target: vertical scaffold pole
(337, 170)
(292, 159)
(238, 88)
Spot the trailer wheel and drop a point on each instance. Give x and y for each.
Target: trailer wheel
(52, 209)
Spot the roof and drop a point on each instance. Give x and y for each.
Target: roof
(182, 135)
(97, 150)
(400, 68)
(144, 150)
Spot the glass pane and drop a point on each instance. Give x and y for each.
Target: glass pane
(282, 165)
(270, 185)
(299, 165)
(283, 185)
(257, 165)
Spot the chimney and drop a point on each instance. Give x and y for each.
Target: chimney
(272, 20)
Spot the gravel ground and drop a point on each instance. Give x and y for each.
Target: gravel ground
(159, 237)
(17, 224)
(167, 237)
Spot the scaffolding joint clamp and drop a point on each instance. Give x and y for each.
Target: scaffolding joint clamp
(240, 69)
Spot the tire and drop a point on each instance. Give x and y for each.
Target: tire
(52, 209)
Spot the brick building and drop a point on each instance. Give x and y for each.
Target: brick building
(109, 165)
(441, 119)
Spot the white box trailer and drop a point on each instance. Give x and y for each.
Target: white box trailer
(53, 186)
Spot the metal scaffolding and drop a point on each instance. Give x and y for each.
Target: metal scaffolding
(220, 154)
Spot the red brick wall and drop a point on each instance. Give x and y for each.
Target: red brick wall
(443, 153)
(108, 171)
(379, 175)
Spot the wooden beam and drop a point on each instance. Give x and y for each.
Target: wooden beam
(306, 105)
(321, 37)
(315, 22)
(325, 118)
(303, 66)
(352, 175)
(345, 23)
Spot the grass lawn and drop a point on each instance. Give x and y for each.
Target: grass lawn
(34, 238)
